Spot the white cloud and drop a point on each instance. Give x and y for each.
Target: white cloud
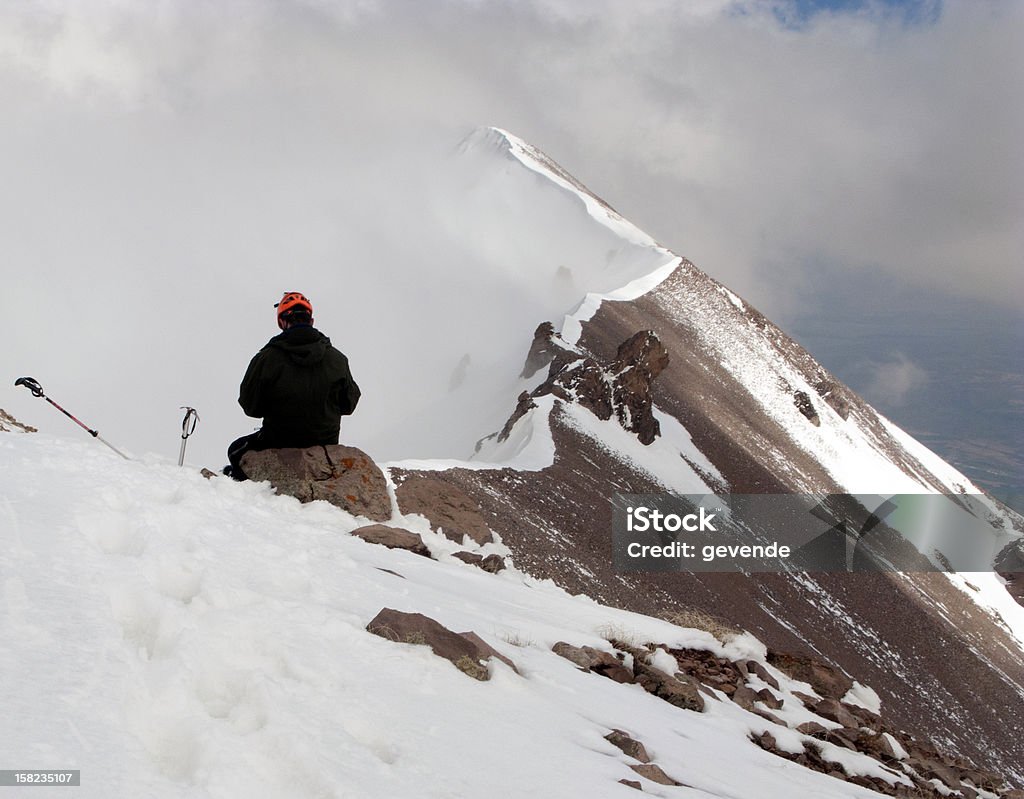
(892, 382)
(169, 169)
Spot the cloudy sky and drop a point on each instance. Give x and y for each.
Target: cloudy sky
(168, 169)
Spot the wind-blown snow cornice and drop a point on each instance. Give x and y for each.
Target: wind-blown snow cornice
(535, 159)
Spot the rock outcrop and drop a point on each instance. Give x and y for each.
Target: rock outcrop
(466, 651)
(9, 424)
(448, 508)
(392, 538)
(917, 768)
(344, 476)
(620, 388)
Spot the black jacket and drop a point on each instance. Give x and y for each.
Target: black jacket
(300, 386)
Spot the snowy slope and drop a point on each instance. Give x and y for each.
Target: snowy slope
(172, 636)
(744, 409)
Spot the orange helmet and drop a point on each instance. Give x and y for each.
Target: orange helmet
(291, 302)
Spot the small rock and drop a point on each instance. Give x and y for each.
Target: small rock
(654, 774)
(415, 628)
(682, 690)
(804, 404)
(745, 698)
(769, 699)
(836, 711)
(762, 672)
(629, 745)
(631, 784)
(484, 650)
(392, 538)
(813, 729)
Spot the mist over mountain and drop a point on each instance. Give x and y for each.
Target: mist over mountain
(660, 379)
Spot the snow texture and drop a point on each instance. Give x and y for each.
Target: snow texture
(173, 636)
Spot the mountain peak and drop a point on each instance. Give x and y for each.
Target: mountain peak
(497, 140)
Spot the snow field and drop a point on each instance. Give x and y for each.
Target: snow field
(172, 636)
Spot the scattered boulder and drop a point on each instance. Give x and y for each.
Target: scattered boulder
(491, 563)
(467, 651)
(682, 690)
(754, 667)
(484, 650)
(654, 773)
(803, 404)
(449, 509)
(631, 784)
(628, 745)
(769, 699)
(813, 728)
(834, 710)
(344, 476)
(595, 660)
(392, 538)
(745, 697)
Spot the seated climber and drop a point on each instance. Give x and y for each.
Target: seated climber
(298, 384)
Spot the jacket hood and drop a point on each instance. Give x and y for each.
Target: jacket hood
(305, 346)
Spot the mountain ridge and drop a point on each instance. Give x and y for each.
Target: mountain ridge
(770, 419)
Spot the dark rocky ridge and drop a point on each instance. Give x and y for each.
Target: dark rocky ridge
(946, 671)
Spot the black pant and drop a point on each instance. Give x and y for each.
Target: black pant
(250, 443)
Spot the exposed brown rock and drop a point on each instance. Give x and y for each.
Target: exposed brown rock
(654, 774)
(638, 361)
(629, 745)
(745, 698)
(836, 711)
(803, 404)
(392, 538)
(344, 476)
(620, 388)
(491, 563)
(541, 350)
(484, 650)
(769, 699)
(631, 784)
(682, 690)
(555, 522)
(447, 507)
(757, 668)
(415, 628)
(812, 728)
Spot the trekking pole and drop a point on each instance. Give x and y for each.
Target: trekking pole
(188, 427)
(37, 391)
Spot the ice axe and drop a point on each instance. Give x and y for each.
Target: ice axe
(37, 391)
(188, 427)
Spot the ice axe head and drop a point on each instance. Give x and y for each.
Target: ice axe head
(31, 384)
